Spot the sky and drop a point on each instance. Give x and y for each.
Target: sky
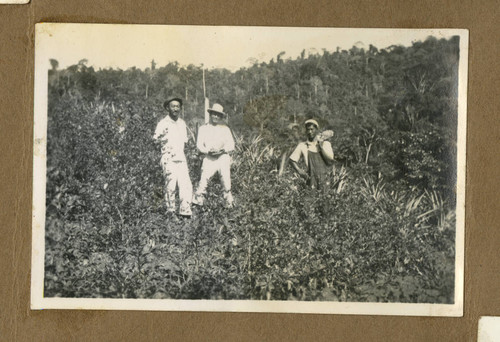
(231, 47)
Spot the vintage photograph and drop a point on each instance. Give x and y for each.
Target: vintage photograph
(265, 169)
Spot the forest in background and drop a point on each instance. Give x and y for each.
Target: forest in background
(394, 114)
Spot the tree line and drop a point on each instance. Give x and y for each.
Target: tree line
(393, 110)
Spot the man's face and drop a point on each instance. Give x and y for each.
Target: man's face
(311, 132)
(215, 118)
(174, 109)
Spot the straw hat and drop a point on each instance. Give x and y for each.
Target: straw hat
(216, 108)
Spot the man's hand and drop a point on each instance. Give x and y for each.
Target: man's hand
(299, 170)
(216, 152)
(162, 137)
(319, 144)
(303, 174)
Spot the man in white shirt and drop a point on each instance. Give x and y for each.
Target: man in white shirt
(171, 132)
(215, 140)
(317, 154)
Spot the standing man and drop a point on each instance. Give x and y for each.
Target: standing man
(317, 154)
(215, 140)
(171, 132)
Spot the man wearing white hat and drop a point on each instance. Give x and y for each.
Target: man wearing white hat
(215, 140)
(172, 134)
(317, 154)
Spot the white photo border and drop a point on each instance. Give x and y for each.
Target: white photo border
(43, 33)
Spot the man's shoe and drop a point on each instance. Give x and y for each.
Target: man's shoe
(198, 200)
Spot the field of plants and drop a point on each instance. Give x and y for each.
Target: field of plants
(384, 231)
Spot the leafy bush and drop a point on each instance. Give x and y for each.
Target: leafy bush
(355, 241)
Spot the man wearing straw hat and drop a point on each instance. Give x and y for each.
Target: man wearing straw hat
(171, 132)
(215, 141)
(317, 154)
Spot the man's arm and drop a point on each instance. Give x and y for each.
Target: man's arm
(229, 141)
(159, 131)
(298, 169)
(294, 158)
(200, 143)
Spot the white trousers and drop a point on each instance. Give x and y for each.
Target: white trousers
(177, 175)
(209, 167)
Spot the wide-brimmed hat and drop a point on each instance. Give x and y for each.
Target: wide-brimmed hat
(170, 99)
(312, 122)
(216, 108)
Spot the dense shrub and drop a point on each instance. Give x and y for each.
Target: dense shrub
(355, 241)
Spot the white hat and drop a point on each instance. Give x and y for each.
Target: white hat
(216, 108)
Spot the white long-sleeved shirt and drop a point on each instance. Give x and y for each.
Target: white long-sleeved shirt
(216, 137)
(173, 135)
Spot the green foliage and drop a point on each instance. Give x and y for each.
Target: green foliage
(353, 242)
(382, 231)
